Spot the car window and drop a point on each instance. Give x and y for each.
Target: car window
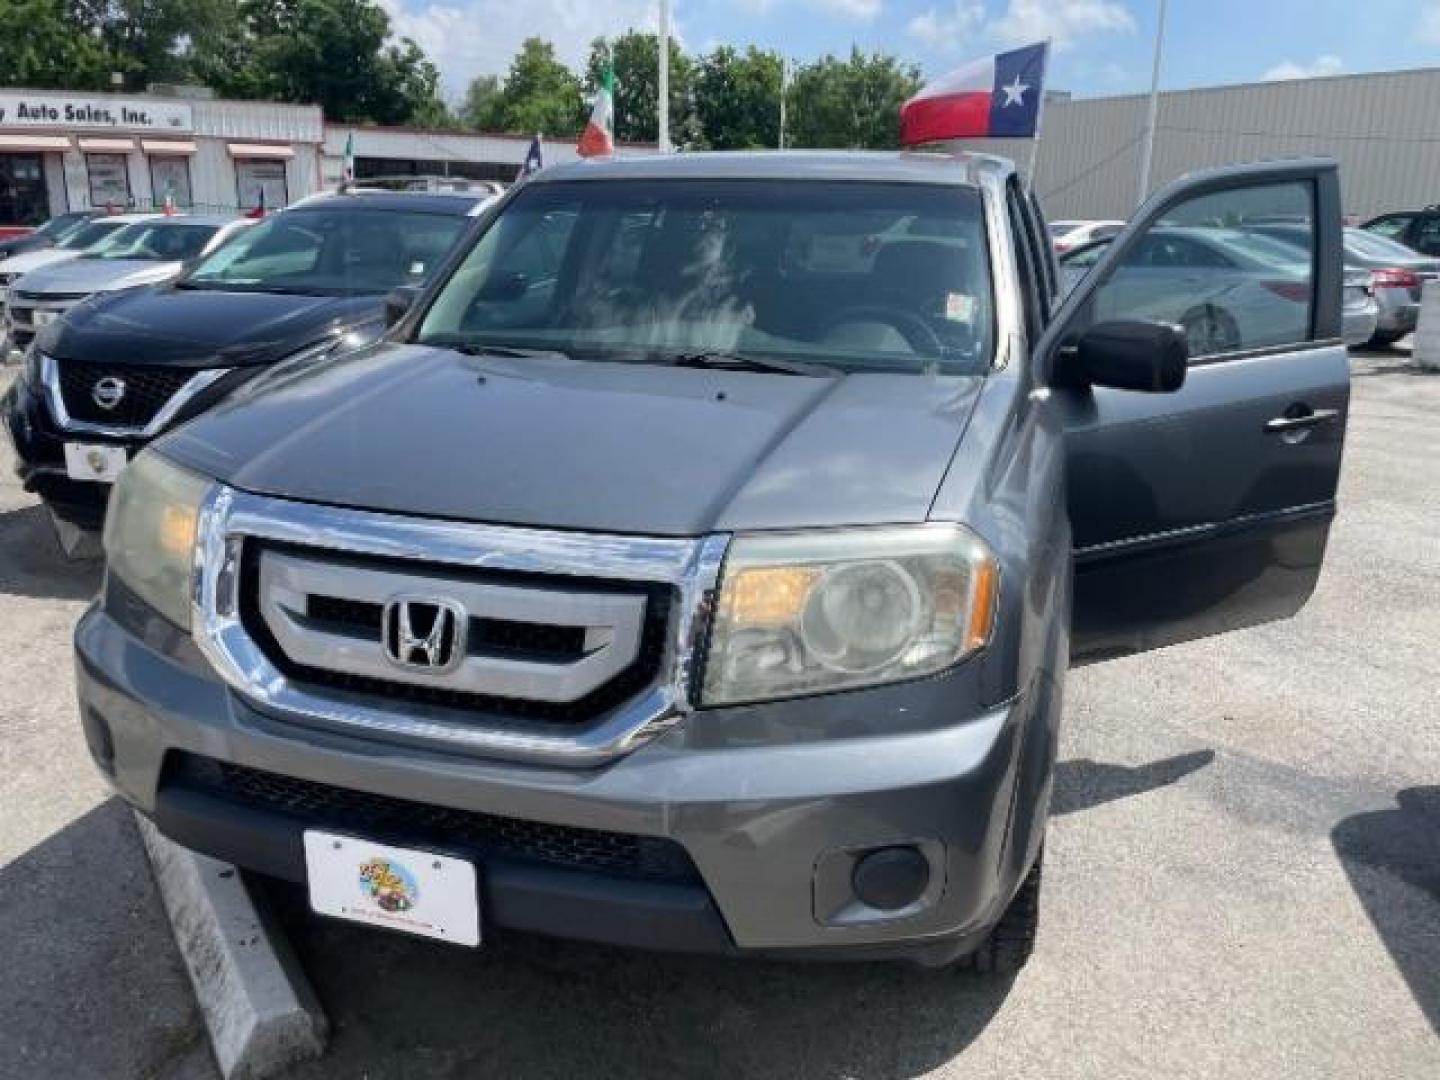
(1426, 238)
(88, 236)
(1084, 257)
(331, 250)
(1232, 290)
(1393, 226)
(160, 241)
(856, 275)
(1104, 232)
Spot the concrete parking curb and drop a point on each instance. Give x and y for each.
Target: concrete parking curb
(259, 1009)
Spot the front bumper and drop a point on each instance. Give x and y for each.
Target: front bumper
(772, 831)
(40, 458)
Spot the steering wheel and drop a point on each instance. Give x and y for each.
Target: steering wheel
(918, 334)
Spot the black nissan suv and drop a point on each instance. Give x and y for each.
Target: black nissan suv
(123, 367)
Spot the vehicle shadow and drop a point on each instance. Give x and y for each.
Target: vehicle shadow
(32, 563)
(528, 1007)
(1392, 857)
(1083, 784)
(93, 983)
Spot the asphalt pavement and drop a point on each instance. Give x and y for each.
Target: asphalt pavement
(1242, 879)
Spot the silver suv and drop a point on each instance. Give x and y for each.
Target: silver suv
(697, 562)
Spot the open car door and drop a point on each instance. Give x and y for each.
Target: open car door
(1207, 509)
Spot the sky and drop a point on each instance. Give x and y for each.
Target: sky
(1102, 47)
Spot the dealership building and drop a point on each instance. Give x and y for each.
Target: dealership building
(1381, 127)
(62, 151)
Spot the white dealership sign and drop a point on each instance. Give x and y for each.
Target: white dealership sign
(88, 113)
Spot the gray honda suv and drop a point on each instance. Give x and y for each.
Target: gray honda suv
(697, 562)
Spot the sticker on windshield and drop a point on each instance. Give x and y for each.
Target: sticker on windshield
(959, 307)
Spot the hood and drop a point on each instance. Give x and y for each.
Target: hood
(202, 328)
(34, 260)
(609, 447)
(77, 276)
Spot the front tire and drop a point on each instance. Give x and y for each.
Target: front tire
(1383, 339)
(1008, 947)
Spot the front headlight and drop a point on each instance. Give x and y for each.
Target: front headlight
(811, 612)
(150, 531)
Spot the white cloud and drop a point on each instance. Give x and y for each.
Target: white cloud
(858, 10)
(1061, 21)
(466, 38)
(1429, 29)
(947, 30)
(1321, 65)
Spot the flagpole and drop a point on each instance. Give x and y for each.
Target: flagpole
(664, 80)
(784, 84)
(1147, 153)
(1039, 114)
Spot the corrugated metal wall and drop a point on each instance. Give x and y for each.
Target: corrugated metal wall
(1383, 128)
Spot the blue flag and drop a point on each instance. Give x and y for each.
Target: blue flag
(534, 160)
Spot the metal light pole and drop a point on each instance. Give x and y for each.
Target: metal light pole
(784, 85)
(664, 103)
(1147, 153)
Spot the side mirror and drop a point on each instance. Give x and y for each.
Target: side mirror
(1150, 357)
(398, 301)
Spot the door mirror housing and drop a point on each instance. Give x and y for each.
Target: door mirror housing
(398, 301)
(1126, 354)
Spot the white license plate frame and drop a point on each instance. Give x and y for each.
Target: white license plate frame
(423, 893)
(96, 462)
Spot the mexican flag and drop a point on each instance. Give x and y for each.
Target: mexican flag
(598, 138)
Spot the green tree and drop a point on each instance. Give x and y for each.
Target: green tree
(44, 44)
(481, 108)
(540, 94)
(850, 104)
(333, 53)
(737, 98)
(636, 57)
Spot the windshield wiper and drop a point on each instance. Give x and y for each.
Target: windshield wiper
(729, 361)
(498, 351)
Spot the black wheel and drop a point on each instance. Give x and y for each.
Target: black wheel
(1383, 339)
(1012, 940)
(1210, 331)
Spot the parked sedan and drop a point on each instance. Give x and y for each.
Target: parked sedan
(123, 367)
(1208, 257)
(1395, 274)
(72, 246)
(145, 253)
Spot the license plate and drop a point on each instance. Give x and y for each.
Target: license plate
(40, 317)
(91, 461)
(418, 892)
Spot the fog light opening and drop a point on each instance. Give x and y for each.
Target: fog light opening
(890, 879)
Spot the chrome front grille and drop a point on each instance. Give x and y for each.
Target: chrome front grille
(532, 648)
(149, 396)
(575, 648)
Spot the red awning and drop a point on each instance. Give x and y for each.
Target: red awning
(260, 150)
(34, 142)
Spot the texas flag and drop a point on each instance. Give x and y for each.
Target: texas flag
(998, 97)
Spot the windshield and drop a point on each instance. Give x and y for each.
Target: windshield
(332, 251)
(62, 224)
(157, 241)
(1060, 228)
(89, 235)
(1370, 246)
(853, 275)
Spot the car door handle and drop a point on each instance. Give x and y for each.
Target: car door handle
(1297, 423)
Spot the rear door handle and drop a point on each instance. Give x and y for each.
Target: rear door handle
(1307, 420)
